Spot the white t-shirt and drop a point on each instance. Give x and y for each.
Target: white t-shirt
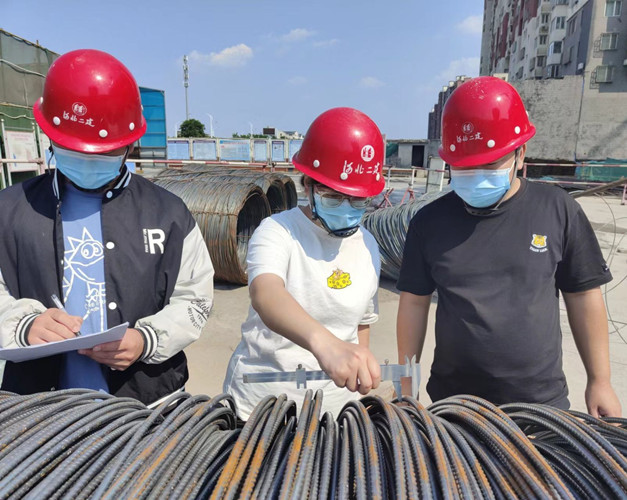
(334, 279)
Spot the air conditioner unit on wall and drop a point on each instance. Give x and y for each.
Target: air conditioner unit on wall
(625, 62)
(580, 66)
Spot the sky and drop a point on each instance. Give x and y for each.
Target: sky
(254, 64)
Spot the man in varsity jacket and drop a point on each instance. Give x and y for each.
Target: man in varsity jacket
(115, 247)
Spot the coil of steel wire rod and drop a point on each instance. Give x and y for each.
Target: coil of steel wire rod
(83, 444)
(279, 188)
(284, 189)
(272, 186)
(227, 212)
(389, 227)
(290, 190)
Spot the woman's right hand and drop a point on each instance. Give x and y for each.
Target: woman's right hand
(53, 325)
(349, 365)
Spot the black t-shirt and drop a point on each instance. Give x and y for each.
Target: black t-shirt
(497, 323)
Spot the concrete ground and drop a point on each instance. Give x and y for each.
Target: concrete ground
(208, 358)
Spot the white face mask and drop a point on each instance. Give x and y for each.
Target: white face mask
(88, 171)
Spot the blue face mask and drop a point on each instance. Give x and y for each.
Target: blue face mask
(481, 188)
(342, 217)
(88, 171)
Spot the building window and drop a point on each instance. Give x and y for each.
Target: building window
(613, 8)
(553, 71)
(532, 63)
(543, 39)
(544, 19)
(555, 48)
(572, 25)
(604, 74)
(568, 55)
(559, 23)
(541, 60)
(609, 41)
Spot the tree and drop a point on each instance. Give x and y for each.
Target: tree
(192, 128)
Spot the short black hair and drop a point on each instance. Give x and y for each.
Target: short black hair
(313, 181)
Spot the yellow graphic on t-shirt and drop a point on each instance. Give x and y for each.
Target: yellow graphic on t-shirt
(538, 241)
(339, 279)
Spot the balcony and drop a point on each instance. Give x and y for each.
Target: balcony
(541, 50)
(544, 28)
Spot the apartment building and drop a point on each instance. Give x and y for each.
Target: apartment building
(568, 60)
(540, 39)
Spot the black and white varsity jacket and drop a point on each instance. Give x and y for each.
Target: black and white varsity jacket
(158, 277)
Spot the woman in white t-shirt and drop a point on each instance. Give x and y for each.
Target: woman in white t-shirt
(313, 273)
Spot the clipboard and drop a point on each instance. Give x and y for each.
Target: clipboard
(17, 354)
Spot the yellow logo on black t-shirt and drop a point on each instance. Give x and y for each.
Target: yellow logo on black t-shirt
(538, 243)
(339, 279)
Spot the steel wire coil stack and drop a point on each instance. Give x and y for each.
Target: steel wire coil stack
(279, 188)
(83, 444)
(290, 190)
(389, 227)
(281, 192)
(227, 211)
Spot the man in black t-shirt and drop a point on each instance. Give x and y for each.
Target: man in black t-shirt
(498, 250)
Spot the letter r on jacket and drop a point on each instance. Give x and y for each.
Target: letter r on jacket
(153, 239)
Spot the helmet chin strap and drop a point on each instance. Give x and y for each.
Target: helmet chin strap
(50, 148)
(484, 212)
(340, 233)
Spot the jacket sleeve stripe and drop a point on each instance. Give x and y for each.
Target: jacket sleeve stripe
(23, 327)
(150, 341)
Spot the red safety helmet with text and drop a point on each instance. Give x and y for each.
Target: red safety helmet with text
(90, 103)
(343, 149)
(483, 120)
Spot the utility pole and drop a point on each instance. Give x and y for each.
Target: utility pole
(210, 125)
(186, 84)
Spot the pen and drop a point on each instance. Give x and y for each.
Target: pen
(60, 306)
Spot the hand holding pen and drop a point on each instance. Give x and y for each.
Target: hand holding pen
(61, 307)
(54, 324)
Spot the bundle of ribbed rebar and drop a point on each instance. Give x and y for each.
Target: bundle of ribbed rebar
(84, 444)
(389, 227)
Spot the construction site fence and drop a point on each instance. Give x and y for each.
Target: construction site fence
(233, 149)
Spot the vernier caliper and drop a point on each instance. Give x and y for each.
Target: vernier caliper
(389, 372)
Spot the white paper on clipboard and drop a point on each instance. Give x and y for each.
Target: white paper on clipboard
(17, 354)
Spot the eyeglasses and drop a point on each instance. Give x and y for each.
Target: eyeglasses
(333, 199)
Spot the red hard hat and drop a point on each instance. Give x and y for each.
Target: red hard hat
(91, 103)
(343, 149)
(483, 120)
